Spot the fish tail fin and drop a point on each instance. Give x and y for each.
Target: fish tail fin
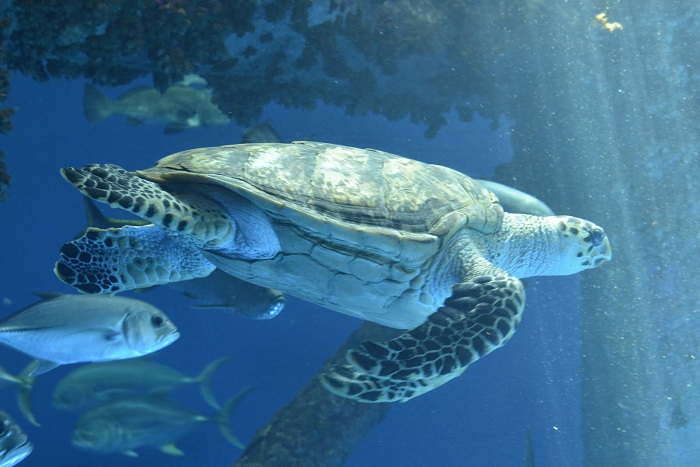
(96, 105)
(24, 383)
(204, 380)
(223, 418)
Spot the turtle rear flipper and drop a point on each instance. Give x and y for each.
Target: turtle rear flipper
(131, 257)
(479, 317)
(184, 214)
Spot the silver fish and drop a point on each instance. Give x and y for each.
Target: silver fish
(14, 444)
(63, 329)
(97, 383)
(179, 107)
(153, 420)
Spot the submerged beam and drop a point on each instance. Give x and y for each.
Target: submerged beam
(317, 427)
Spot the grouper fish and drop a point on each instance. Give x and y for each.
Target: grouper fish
(179, 107)
(123, 425)
(62, 329)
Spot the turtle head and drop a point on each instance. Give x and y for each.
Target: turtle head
(529, 246)
(579, 244)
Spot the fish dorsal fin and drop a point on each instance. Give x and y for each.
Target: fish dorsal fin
(171, 449)
(47, 294)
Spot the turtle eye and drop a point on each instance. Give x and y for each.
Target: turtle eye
(596, 236)
(156, 321)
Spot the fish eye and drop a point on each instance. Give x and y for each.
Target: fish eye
(156, 321)
(596, 236)
(4, 428)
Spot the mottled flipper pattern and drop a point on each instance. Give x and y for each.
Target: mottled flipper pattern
(479, 317)
(184, 213)
(115, 260)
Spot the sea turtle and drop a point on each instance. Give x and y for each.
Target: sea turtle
(395, 241)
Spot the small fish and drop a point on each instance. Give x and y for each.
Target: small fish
(226, 292)
(62, 329)
(97, 383)
(14, 444)
(180, 107)
(218, 290)
(153, 420)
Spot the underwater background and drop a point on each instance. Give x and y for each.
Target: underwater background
(277, 357)
(597, 121)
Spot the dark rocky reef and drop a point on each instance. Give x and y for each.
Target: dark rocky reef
(402, 59)
(5, 113)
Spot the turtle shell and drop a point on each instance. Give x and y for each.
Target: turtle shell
(334, 186)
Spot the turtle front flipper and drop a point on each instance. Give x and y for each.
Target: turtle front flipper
(131, 257)
(479, 317)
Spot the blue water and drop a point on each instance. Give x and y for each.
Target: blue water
(479, 419)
